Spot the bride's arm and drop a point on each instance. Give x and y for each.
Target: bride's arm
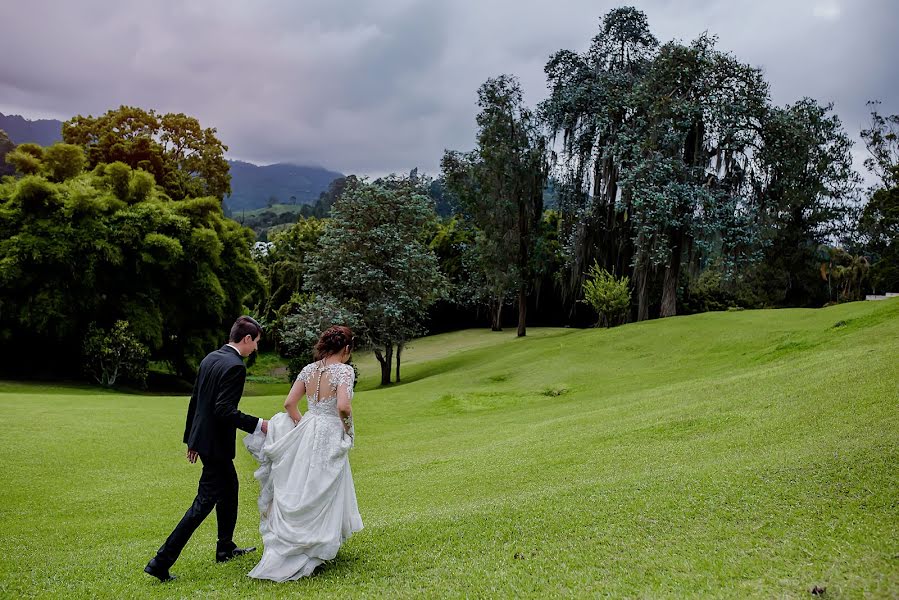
(344, 408)
(293, 399)
(345, 397)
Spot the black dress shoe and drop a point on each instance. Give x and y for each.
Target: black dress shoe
(228, 555)
(158, 571)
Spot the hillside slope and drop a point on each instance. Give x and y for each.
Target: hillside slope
(742, 454)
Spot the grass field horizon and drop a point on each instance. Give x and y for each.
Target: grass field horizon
(749, 453)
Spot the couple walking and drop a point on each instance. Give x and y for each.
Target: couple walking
(307, 501)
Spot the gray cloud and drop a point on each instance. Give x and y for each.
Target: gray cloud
(375, 87)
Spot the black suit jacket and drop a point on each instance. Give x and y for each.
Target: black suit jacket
(212, 417)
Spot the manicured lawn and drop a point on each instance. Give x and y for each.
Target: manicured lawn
(742, 454)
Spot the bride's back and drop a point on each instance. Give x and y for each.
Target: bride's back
(323, 381)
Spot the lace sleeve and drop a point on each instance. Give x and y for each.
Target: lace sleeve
(304, 374)
(346, 376)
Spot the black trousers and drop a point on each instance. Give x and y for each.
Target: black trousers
(218, 488)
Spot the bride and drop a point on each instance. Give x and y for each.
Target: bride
(307, 501)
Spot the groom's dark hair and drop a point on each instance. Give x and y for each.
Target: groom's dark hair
(243, 327)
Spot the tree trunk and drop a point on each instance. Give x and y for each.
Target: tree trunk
(386, 360)
(399, 351)
(523, 266)
(672, 275)
(641, 285)
(497, 317)
(522, 310)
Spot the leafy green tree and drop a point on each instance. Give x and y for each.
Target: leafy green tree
(804, 183)
(711, 290)
(607, 295)
(26, 158)
(448, 241)
(852, 276)
(283, 266)
(671, 159)
(500, 186)
(301, 328)
(879, 221)
(372, 261)
(880, 225)
(57, 162)
(113, 354)
(882, 141)
(322, 207)
(590, 110)
(63, 161)
(6, 146)
(186, 160)
(445, 202)
(108, 245)
(684, 162)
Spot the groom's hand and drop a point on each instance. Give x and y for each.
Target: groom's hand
(264, 427)
(191, 456)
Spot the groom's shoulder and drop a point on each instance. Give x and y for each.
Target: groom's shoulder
(222, 354)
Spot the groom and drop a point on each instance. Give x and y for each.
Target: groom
(212, 421)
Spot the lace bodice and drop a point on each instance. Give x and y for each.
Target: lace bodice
(322, 383)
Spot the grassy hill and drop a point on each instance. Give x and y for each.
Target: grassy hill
(271, 219)
(742, 454)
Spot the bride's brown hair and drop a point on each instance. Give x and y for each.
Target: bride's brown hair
(332, 340)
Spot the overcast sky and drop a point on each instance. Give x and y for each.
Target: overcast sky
(382, 86)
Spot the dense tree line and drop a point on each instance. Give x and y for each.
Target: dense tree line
(670, 167)
(655, 179)
(88, 245)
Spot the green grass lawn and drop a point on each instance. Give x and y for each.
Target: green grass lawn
(742, 454)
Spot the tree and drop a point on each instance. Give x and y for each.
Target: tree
(591, 108)
(322, 207)
(879, 222)
(804, 183)
(684, 161)
(608, 296)
(301, 329)
(63, 161)
(26, 158)
(6, 146)
(656, 151)
(445, 202)
(283, 267)
(500, 186)
(882, 142)
(113, 354)
(106, 246)
(373, 261)
(449, 241)
(186, 160)
(57, 162)
(490, 259)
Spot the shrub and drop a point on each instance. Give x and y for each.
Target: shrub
(609, 297)
(708, 292)
(114, 354)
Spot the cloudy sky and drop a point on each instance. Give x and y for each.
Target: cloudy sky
(380, 86)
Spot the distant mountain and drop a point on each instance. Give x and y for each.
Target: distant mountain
(255, 187)
(20, 130)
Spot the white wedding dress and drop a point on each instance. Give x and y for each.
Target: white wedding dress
(307, 502)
